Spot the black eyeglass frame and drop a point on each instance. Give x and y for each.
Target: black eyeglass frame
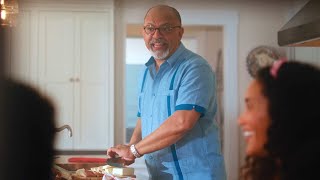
(163, 31)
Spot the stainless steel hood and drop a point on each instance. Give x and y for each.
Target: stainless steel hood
(303, 29)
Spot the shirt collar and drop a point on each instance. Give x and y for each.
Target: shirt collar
(172, 59)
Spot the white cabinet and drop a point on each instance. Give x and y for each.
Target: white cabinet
(308, 54)
(74, 49)
(74, 66)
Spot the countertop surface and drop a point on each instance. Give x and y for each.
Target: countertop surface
(139, 165)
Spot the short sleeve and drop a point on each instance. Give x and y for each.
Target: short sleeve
(197, 88)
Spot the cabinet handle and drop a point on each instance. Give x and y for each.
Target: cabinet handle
(71, 79)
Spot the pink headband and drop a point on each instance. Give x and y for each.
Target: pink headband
(276, 66)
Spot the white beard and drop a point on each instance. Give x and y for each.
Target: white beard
(160, 54)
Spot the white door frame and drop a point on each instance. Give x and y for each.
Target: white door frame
(229, 21)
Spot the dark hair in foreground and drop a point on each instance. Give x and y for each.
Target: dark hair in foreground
(26, 132)
(293, 143)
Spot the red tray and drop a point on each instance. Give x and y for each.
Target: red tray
(87, 160)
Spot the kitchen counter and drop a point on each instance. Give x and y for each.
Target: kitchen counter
(139, 165)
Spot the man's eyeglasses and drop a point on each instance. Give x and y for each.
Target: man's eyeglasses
(162, 29)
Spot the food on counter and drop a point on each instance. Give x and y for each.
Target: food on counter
(83, 173)
(61, 173)
(116, 171)
(102, 169)
(126, 171)
(94, 173)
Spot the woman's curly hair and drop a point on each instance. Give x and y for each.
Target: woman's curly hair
(294, 108)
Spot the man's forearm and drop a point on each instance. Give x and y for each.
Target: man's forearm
(136, 135)
(172, 130)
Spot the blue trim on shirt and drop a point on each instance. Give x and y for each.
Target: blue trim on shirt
(168, 106)
(144, 79)
(173, 78)
(142, 86)
(176, 162)
(197, 108)
(173, 148)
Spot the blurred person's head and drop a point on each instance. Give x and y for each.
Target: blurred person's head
(279, 122)
(26, 128)
(27, 133)
(162, 31)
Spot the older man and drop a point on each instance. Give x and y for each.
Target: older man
(175, 131)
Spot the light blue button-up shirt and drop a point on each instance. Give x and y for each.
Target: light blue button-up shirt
(185, 81)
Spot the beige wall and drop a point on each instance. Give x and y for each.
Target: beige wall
(259, 22)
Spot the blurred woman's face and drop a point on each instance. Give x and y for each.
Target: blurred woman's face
(255, 120)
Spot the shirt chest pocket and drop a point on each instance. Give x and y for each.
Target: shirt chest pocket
(154, 109)
(167, 102)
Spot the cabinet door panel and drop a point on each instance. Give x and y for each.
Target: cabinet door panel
(56, 68)
(94, 48)
(62, 95)
(74, 69)
(93, 121)
(302, 53)
(308, 54)
(57, 42)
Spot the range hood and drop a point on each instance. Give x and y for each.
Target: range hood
(303, 29)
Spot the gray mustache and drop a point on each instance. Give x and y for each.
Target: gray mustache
(157, 41)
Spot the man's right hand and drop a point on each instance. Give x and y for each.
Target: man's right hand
(122, 151)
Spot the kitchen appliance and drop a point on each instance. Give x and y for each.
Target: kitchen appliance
(303, 29)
